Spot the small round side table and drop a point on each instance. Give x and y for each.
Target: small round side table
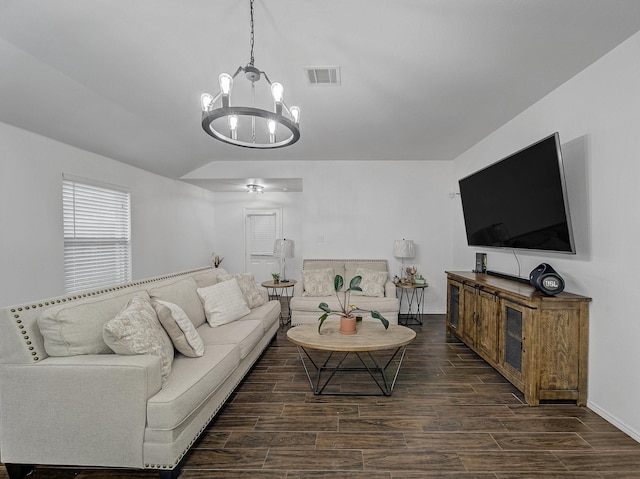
(278, 291)
(416, 296)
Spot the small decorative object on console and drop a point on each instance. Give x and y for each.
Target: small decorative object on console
(411, 271)
(544, 278)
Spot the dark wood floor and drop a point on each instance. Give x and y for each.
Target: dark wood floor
(451, 416)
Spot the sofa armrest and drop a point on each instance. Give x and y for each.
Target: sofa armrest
(88, 409)
(389, 289)
(298, 289)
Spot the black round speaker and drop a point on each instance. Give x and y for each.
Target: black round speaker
(544, 278)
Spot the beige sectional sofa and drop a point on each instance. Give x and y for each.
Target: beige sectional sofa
(67, 399)
(380, 297)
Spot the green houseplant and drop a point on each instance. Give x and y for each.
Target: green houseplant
(347, 311)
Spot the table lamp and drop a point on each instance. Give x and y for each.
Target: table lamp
(283, 249)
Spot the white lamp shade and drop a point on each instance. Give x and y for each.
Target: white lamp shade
(403, 248)
(284, 248)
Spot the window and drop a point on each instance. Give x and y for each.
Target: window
(97, 234)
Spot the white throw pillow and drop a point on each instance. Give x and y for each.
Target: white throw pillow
(136, 330)
(318, 282)
(179, 327)
(372, 282)
(247, 284)
(223, 303)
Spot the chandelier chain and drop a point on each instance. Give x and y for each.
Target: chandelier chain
(252, 39)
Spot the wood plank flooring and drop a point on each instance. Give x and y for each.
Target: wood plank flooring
(451, 416)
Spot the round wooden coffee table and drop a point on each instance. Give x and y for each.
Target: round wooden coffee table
(371, 337)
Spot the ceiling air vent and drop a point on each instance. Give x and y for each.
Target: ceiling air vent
(323, 75)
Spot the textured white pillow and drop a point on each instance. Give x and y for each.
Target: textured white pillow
(179, 327)
(136, 330)
(372, 282)
(223, 303)
(247, 284)
(318, 282)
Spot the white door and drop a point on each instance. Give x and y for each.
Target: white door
(262, 228)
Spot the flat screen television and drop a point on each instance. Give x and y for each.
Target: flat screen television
(520, 202)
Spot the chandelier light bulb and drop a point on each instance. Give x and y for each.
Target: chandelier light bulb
(271, 124)
(233, 126)
(226, 83)
(206, 101)
(295, 114)
(277, 90)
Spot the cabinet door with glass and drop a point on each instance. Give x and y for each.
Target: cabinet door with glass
(454, 307)
(515, 336)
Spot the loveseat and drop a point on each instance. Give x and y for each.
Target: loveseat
(66, 397)
(316, 286)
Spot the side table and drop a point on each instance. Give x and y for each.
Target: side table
(412, 294)
(281, 290)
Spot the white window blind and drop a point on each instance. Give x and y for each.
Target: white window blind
(262, 234)
(97, 235)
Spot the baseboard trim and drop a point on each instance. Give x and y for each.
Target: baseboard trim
(613, 420)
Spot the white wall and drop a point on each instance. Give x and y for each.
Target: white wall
(172, 222)
(597, 114)
(348, 209)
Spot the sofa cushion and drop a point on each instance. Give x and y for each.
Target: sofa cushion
(318, 282)
(223, 303)
(73, 329)
(136, 330)
(183, 293)
(267, 314)
(179, 327)
(208, 277)
(245, 334)
(247, 284)
(193, 380)
(364, 302)
(372, 283)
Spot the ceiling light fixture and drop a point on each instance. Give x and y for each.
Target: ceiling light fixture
(255, 189)
(249, 126)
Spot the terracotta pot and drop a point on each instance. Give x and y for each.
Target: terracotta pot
(348, 325)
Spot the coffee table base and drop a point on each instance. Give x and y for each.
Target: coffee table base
(369, 364)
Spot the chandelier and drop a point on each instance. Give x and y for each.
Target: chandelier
(255, 189)
(250, 126)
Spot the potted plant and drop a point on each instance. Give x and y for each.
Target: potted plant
(348, 312)
(276, 277)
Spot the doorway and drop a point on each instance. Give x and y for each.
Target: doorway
(262, 228)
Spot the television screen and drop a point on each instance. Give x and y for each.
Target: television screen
(520, 202)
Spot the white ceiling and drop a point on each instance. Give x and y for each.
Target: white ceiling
(421, 79)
